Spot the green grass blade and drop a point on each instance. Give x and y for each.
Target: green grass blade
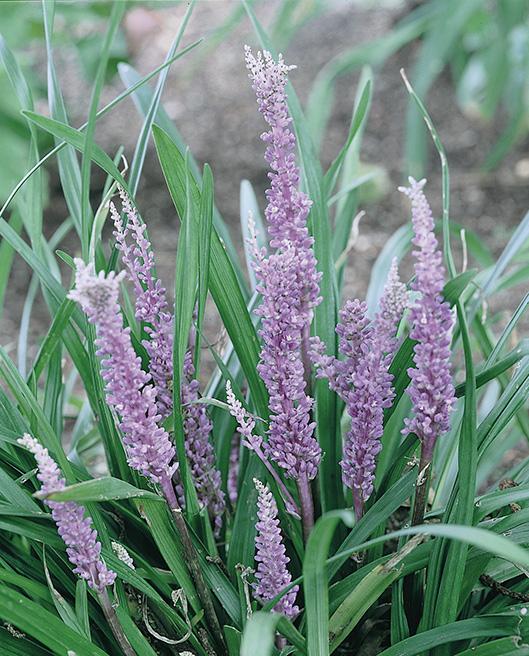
(42, 625)
(371, 587)
(204, 249)
(137, 85)
(101, 490)
(357, 121)
(32, 205)
(77, 139)
(186, 279)
(453, 570)
(224, 286)
(7, 253)
(259, 635)
(69, 171)
(117, 12)
(435, 50)
(143, 139)
(445, 173)
(477, 627)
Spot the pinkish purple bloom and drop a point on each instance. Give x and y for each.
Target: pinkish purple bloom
(291, 435)
(287, 279)
(362, 380)
(82, 545)
(431, 390)
(371, 392)
(151, 303)
(128, 388)
(152, 307)
(272, 573)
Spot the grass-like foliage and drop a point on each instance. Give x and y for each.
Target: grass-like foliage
(336, 486)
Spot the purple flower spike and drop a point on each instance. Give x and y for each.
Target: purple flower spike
(152, 307)
(272, 573)
(151, 302)
(82, 546)
(287, 279)
(372, 392)
(431, 390)
(128, 388)
(288, 207)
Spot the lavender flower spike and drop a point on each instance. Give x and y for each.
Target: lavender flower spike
(128, 388)
(431, 390)
(133, 398)
(151, 302)
(372, 392)
(288, 207)
(288, 281)
(152, 307)
(272, 573)
(199, 450)
(82, 546)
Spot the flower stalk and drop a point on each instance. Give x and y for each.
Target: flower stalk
(431, 390)
(289, 283)
(133, 398)
(115, 625)
(192, 561)
(82, 546)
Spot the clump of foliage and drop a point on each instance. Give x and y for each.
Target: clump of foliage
(330, 488)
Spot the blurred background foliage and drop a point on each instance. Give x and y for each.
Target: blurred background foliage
(483, 44)
(77, 28)
(468, 59)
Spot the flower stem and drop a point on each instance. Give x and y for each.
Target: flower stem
(358, 503)
(192, 562)
(307, 505)
(290, 504)
(113, 621)
(421, 489)
(412, 593)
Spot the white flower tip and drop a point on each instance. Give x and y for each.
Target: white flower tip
(260, 487)
(27, 441)
(229, 391)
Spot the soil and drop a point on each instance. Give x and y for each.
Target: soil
(211, 102)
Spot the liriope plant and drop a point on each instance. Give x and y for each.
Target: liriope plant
(336, 486)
